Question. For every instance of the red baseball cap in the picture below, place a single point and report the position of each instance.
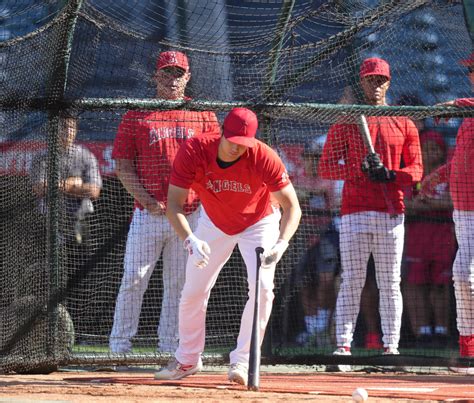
(172, 59)
(240, 127)
(469, 61)
(374, 66)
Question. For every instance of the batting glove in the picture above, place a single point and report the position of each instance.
(273, 256)
(198, 250)
(371, 161)
(382, 175)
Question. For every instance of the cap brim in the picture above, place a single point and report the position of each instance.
(375, 74)
(243, 141)
(173, 65)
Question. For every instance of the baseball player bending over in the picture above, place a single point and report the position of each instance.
(236, 177)
(372, 206)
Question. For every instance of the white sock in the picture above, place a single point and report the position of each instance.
(322, 319)
(425, 330)
(310, 322)
(441, 330)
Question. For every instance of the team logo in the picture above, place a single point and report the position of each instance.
(172, 58)
(223, 185)
(157, 134)
(284, 177)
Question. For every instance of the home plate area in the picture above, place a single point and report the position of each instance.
(419, 387)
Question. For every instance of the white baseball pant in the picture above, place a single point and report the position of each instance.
(463, 271)
(150, 236)
(199, 282)
(362, 234)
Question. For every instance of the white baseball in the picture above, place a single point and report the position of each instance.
(360, 395)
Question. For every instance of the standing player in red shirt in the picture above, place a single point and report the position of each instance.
(430, 246)
(372, 206)
(236, 178)
(144, 150)
(461, 185)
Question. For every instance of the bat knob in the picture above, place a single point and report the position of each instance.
(259, 250)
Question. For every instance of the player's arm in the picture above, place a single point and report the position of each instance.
(290, 220)
(460, 102)
(199, 251)
(334, 153)
(413, 170)
(175, 212)
(89, 184)
(73, 186)
(291, 215)
(126, 172)
(434, 189)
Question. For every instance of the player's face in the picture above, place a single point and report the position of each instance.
(67, 131)
(375, 89)
(432, 154)
(171, 82)
(229, 151)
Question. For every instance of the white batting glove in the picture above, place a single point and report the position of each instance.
(198, 250)
(273, 256)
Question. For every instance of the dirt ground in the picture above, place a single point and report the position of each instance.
(58, 387)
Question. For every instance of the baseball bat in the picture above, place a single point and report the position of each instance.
(364, 131)
(253, 381)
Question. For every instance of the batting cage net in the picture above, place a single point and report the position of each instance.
(90, 276)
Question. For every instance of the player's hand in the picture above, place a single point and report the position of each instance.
(198, 250)
(70, 184)
(371, 161)
(273, 256)
(382, 174)
(157, 208)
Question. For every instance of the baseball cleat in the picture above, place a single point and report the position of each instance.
(340, 367)
(391, 351)
(238, 373)
(175, 370)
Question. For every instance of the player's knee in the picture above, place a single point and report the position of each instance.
(191, 296)
(268, 294)
(463, 276)
(463, 269)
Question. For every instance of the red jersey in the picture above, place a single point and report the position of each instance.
(235, 197)
(462, 164)
(152, 138)
(394, 138)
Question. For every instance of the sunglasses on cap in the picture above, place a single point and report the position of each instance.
(174, 71)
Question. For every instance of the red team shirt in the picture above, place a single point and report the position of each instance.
(394, 138)
(462, 164)
(236, 197)
(152, 138)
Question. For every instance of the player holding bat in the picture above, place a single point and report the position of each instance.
(236, 177)
(372, 205)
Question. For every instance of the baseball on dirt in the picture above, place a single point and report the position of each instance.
(360, 395)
